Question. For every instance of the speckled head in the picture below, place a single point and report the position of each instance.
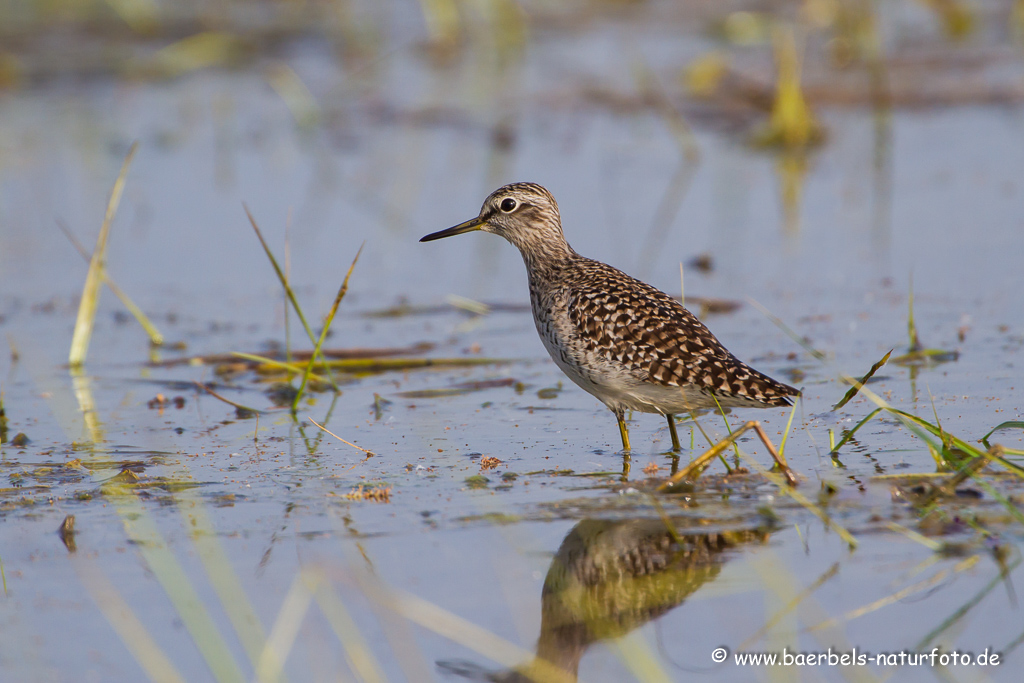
(523, 213)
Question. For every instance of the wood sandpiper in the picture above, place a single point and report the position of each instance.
(626, 342)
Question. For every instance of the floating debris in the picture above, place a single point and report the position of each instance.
(457, 389)
(376, 494)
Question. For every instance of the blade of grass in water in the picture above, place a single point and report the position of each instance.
(357, 650)
(323, 332)
(728, 428)
(777, 321)
(791, 605)
(965, 608)
(1012, 424)
(155, 337)
(271, 364)
(464, 632)
(285, 630)
(916, 353)
(863, 380)
(382, 364)
(924, 430)
(287, 288)
(154, 662)
(800, 498)
(789, 425)
(143, 532)
(915, 341)
(222, 577)
(97, 264)
(899, 595)
(849, 434)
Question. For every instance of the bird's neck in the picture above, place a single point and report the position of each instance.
(543, 258)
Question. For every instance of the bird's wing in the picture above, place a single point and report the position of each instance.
(655, 338)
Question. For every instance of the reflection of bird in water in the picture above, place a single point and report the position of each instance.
(610, 577)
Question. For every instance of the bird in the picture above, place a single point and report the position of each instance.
(629, 344)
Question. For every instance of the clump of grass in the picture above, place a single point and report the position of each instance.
(291, 294)
(323, 332)
(792, 124)
(916, 353)
(699, 464)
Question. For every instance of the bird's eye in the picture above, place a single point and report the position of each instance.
(508, 205)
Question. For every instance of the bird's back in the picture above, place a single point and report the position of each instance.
(641, 344)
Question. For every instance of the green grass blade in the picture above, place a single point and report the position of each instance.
(294, 368)
(965, 608)
(862, 381)
(287, 287)
(155, 337)
(323, 332)
(915, 341)
(97, 264)
(1011, 424)
(849, 434)
(728, 427)
(789, 425)
(800, 498)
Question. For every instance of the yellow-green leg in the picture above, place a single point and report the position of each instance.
(672, 430)
(623, 432)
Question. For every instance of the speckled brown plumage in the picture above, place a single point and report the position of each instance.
(657, 339)
(624, 341)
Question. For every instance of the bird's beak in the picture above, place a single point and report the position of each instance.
(468, 226)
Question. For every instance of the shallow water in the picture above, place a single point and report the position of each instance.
(260, 504)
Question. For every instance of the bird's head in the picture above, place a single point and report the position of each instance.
(523, 213)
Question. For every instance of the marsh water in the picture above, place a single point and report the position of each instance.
(217, 543)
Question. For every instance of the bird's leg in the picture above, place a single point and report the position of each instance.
(672, 430)
(623, 432)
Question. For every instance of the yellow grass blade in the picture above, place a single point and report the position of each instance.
(158, 667)
(155, 336)
(91, 292)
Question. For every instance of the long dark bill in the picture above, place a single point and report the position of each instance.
(468, 226)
